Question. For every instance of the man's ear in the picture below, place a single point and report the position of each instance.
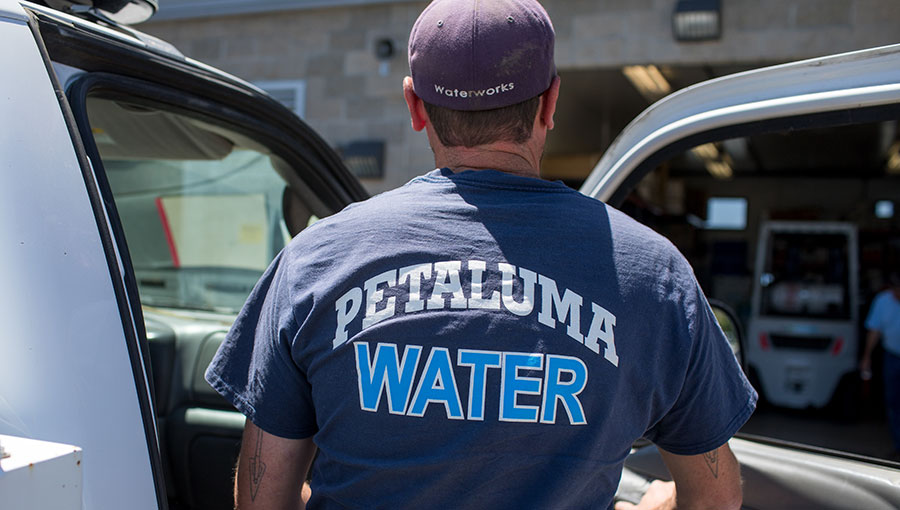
(417, 114)
(548, 103)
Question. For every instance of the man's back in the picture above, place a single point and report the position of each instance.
(480, 337)
(489, 340)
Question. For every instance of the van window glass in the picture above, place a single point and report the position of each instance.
(200, 204)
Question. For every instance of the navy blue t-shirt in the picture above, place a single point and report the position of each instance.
(480, 340)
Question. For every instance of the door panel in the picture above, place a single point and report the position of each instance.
(68, 339)
(803, 346)
(201, 203)
(776, 477)
(714, 168)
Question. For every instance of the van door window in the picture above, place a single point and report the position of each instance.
(807, 242)
(200, 204)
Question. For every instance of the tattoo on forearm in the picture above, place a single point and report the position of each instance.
(712, 462)
(257, 467)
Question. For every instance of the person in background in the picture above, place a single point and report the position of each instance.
(883, 325)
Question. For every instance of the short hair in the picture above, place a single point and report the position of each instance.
(456, 128)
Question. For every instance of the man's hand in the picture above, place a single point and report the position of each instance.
(660, 496)
(865, 368)
(271, 471)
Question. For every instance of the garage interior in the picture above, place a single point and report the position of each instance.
(595, 105)
(712, 200)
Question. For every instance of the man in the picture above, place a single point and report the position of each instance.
(883, 322)
(480, 338)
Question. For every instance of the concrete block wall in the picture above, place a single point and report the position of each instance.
(349, 97)
(333, 51)
(612, 33)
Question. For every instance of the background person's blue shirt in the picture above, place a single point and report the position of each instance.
(480, 340)
(884, 317)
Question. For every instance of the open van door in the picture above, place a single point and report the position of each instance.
(144, 194)
(71, 363)
(834, 90)
(813, 142)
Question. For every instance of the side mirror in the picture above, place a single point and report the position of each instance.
(731, 326)
(125, 12)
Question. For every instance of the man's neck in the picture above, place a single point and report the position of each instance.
(504, 157)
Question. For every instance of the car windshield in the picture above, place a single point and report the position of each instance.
(201, 206)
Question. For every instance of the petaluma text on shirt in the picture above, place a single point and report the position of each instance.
(449, 291)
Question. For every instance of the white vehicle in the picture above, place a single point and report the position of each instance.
(716, 140)
(143, 195)
(803, 327)
(111, 308)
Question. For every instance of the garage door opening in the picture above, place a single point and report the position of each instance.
(596, 104)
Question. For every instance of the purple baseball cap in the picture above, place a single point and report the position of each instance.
(481, 54)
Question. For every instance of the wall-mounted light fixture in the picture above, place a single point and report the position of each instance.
(697, 20)
(364, 158)
(384, 50)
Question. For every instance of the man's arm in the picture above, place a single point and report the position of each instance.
(710, 481)
(271, 470)
(865, 363)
